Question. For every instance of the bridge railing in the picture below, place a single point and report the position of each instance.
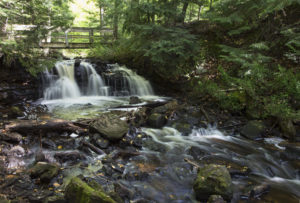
(74, 37)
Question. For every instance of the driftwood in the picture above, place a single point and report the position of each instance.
(192, 163)
(37, 127)
(92, 147)
(149, 105)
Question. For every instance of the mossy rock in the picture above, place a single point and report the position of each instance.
(157, 120)
(168, 107)
(287, 128)
(253, 129)
(213, 180)
(44, 171)
(78, 191)
(110, 126)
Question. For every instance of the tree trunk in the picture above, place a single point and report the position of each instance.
(199, 12)
(116, 19)
(101, 16)
(183, 12)
(210, 5)
(35, 127)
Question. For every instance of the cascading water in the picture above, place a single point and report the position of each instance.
(68, 81)
(135, 84)
(63, 87)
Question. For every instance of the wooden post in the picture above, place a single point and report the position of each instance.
(91, 33)
(66, 38)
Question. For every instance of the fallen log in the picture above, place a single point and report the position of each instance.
(149, 105)
(93, 147)
(37, 127)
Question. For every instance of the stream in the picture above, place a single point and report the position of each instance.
(265, 170)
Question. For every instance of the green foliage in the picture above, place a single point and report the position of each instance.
(265, 92)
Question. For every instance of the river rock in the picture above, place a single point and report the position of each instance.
(110, 126)
(72, 156)
(134, 100)
(213, 180)
(100, 141)
(287, 128)
(253, 129)
(55, 199)
(168, 107)
(216, 199)
(44, 171)
(11, 137)
(157, 120)
(78, 191)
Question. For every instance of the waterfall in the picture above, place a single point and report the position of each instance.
(137, 84)
(68, 81)
(63, 87)
(95, 85)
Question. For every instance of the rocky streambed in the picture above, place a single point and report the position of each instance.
(112, 147)
(154, 152)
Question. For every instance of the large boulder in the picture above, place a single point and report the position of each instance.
(44, 171)
(111, 126)
(287, 128)
(78, 191)
(157, 120)
(253, 129)
(168, 107)
(213, 180)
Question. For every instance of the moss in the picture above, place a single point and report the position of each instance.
(213, 180)
(78, 191)
(44, 171)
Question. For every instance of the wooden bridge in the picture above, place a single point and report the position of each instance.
(72, 38)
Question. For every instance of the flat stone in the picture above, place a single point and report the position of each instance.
(11, 137)
(45, 171)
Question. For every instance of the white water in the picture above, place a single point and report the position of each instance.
(137, 84)
(64, 85)
(214, 144)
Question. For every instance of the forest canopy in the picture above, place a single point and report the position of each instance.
(248, 46)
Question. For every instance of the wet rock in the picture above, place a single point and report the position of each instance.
(256, 191)
(69, 156)
(55, 199)
(44, 171)
(184, 128)
(150, 144)
(40, 156)
(110, 126)
(253, 129)
(49, 144)
(77, 63)
(140, 117)
(157, 120)
(169, 107)
(134, 100)
(235, 168)
(16, 111)
(11, 137)
(78, 191)
(288, 129)
(124, 190)
(213, 180)
(100, 141)
(196, 152)
(216, 199)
